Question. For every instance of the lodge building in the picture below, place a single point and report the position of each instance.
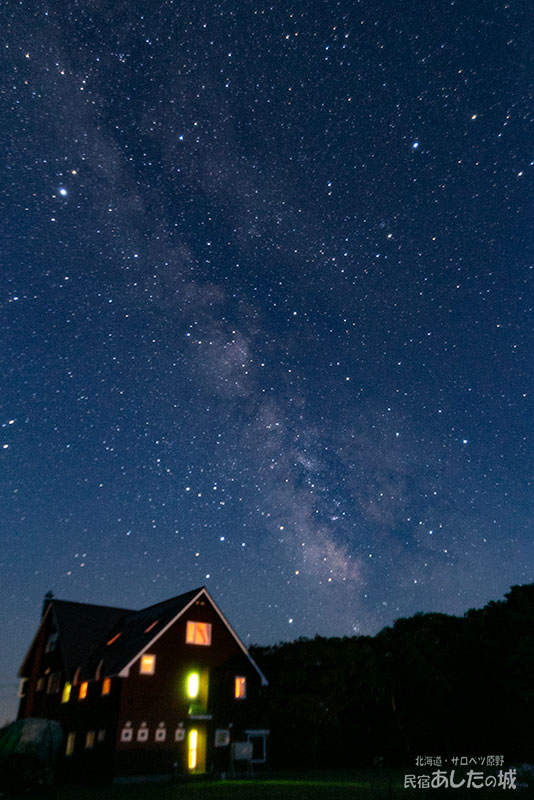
(167, 690)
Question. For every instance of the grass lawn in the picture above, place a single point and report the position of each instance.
(360, 785)
(331, 787)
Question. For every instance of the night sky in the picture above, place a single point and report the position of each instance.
(266, 310)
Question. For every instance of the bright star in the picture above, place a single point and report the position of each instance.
(63, 192)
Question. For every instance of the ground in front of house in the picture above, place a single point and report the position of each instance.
(331, 785)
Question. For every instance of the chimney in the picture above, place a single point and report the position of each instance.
(49, 596)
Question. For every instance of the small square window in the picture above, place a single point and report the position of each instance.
(240, 687)
(179, 734)
(126, 734)
(142, 733)
(222, 737)
(147, 665)
(198, 633)
(106, 686)
(161, 734)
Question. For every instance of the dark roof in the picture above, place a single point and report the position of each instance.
(132, 635)
(81, 627)
(93, 637)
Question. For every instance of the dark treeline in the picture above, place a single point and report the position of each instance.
(432, 684)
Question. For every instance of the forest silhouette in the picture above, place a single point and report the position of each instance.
(431, 684)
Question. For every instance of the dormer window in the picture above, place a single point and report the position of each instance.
(198, 633)
(147, 665)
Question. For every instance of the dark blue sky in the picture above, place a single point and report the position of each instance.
(266, 310)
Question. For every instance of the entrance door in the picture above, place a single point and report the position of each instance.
(196, 750)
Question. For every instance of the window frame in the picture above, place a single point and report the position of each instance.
(147, 664)
(192, 635)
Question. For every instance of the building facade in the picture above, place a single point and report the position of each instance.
(167, 690)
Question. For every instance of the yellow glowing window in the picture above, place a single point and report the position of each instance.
(65, 697)
(198, 633)
(240, 687)
(147, 665)
(193, 685)
(192, 749)
(106, 686)
(82, 694)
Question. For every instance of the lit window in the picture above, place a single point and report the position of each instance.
(192, 749)
(65, 697)
(198, 633)
(147, 665)
(82, 694)
(106, 686)
(193, 685)
(71, 739)
(40, 684)
(89, 740)
(240, 687)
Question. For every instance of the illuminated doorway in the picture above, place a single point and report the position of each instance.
(196, 751)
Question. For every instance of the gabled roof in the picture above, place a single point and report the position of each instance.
(111, 639)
